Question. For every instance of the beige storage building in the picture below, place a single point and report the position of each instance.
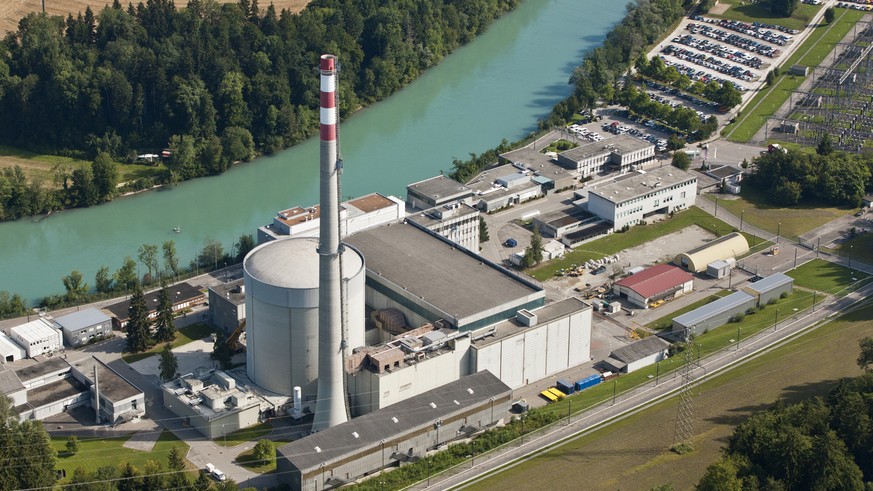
(731, 245)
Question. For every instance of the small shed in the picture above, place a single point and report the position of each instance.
(721, 268)
(9, 350)
(642, 353)
(800, 70)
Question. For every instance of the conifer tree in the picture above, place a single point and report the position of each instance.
(165, 326)
(138, 335)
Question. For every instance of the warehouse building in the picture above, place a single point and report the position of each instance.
(182, 296)
(639, 354)
(428, 278)
(732, 245)
(437, 191)
(85, 326)
(359, 214)
(37, 337)
(622, 153)
(535, 344)
(227, 305)
(10, 350)
(632, 198)
(770, 288)
(403, 432)
(458, 222)
(652, 284)
(713, 314)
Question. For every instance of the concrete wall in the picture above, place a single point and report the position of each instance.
(57, 407)
(649, 360)
(225, 314)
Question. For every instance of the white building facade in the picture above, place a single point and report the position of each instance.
(631, 200)
(37, 337)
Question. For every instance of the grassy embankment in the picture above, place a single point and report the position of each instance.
(38, 167)
(98, 452)
(746, 11)
(811, 53)
(858, 248)
(827, 277)
(633, 453)
(795, 220)
(183, 336)
(637, 235)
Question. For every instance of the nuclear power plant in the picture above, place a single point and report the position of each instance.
(377, 335)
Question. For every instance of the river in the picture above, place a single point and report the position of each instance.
(496, 87)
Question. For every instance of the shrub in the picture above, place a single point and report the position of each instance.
(783, 295)
(737, 318)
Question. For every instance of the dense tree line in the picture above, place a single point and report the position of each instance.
(684, 119)
(725, 94)
(819, 444)
(791, 177)
(785, 8)
(214, 82)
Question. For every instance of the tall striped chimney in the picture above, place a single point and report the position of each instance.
(330, 406)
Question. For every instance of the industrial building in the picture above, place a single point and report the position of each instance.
(403, 432)
(10, 350)
(732, 245)
(639, 354)
(652, 284)
(632, 198)
(84, 326)
(719, 312)
(727, 178)
(424, 276)
(37, 337)
(504, 186)
(213, 403)
(55, 386)
(547, 171)
(358, 214)
(281, 280)
(182, 296)
(559, 223)
(435, 192)
(458, 222)
(227, 305)
(622, 153)
(535, 344)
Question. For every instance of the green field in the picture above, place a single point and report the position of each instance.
(795, 220)
(666, 322)
(183, 336)
(637, 235)
(247, 460)
(746, 11)
(858, 248)
(827, 277)
(244, 435)
(38, 167)
(811, 53)
(94, 453)
(633, 453)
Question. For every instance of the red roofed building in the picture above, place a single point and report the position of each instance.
(652, 284)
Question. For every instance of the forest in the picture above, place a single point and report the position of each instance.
(214, 83)
(815, 444)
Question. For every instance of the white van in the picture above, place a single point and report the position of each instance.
(218, 475)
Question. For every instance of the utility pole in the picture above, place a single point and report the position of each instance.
(685, 411)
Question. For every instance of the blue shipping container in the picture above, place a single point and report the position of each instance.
(589, 381)
(565, 386)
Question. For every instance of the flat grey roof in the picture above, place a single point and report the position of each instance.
(9, 383)
(620, 144)
(640, 349)
(46, 367)
(770, 283)
(82, 319)
(112, 385)
(231, 291)
(455, 281)
(566, 216)
(723, 171)
(413, 413)
(439, 187)
(55, 391)
(486, 179)
(704, 312)
(641, 183)
(545, 314)
(527, 156)
(429, 217)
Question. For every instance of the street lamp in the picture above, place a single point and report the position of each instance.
(323, 483)
(738, 338)
(437, 424)
(492, 410)
(382, 445)
(850, 256)
(224, 434)
(742, 212)
(778, 231)
(657, 373)
(776, 322)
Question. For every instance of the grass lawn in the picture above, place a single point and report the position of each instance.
(94, 453)
(637, 235)
(183, 336)
(560, 146)
(38, 167)
(244, 435)
(745, 11)
(828, 277)
(247, 460)
(795, 220)
(858, 248)
(633, 453)
(811, 53)
(666, 322)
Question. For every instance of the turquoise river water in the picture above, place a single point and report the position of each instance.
(496, 87)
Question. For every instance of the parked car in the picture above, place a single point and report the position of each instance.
(510, 242)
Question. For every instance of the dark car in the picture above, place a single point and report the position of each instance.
(510, 242)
